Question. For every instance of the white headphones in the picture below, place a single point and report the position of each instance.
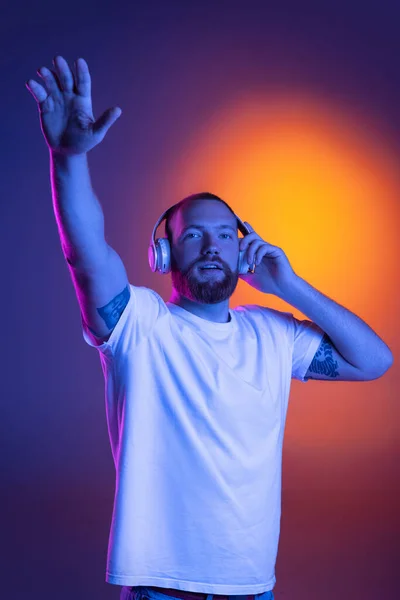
(159, 251)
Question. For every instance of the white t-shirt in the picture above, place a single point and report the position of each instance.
(196, 413)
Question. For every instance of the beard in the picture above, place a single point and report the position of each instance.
(199, 287)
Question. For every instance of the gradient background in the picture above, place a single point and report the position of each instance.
(291, 114)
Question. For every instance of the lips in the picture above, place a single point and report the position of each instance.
(215, 265)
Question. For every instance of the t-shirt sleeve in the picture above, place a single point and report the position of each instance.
(299, 340)
(306, 337)
(135, 323)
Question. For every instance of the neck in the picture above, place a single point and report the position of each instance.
(219, 313)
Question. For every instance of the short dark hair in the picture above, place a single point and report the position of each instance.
(200, 196)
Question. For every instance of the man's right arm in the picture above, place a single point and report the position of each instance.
(98, 273)
(70, 130)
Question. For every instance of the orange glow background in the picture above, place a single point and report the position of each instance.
(323, 185)
(290, 112)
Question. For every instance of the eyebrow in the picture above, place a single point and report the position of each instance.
(194, 226)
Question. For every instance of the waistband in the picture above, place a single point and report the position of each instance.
(196, 595)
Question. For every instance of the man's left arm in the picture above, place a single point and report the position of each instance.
(358, 344)
(352, 338)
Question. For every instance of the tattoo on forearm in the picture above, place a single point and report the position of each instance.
(323, 361)
(112, 311)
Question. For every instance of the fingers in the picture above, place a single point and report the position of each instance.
(61, 80)
(82, 83)
(37, 91)
(64, 74)
(250, 245)
(247, 239)
(83, 80)
(104, 122)
(252, 251)
(51, 82)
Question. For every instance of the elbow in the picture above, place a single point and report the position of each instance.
(386, 366)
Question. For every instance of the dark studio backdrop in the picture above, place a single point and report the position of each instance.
(290, 112)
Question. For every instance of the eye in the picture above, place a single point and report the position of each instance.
(187, 235)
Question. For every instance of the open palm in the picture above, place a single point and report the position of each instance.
(65, 108)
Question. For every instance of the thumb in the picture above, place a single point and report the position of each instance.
(104, 122)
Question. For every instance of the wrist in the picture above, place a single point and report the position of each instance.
(67, 161)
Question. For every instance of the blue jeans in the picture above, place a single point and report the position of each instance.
(144, 593)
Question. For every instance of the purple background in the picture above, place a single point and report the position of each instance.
(169, 66)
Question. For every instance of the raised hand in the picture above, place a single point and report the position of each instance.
(65, 108)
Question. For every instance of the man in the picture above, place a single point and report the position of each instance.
(196, 392)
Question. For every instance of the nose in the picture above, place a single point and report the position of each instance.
(211, 249)
(211, 254)
(211, 245)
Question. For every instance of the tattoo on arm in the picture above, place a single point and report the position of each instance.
(112, 311)
(323, 361)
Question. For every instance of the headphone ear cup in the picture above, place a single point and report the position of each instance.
(151, 257)
(243, 265)
(163, 256)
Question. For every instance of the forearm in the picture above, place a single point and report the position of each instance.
(352, 337)
(77, 211)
